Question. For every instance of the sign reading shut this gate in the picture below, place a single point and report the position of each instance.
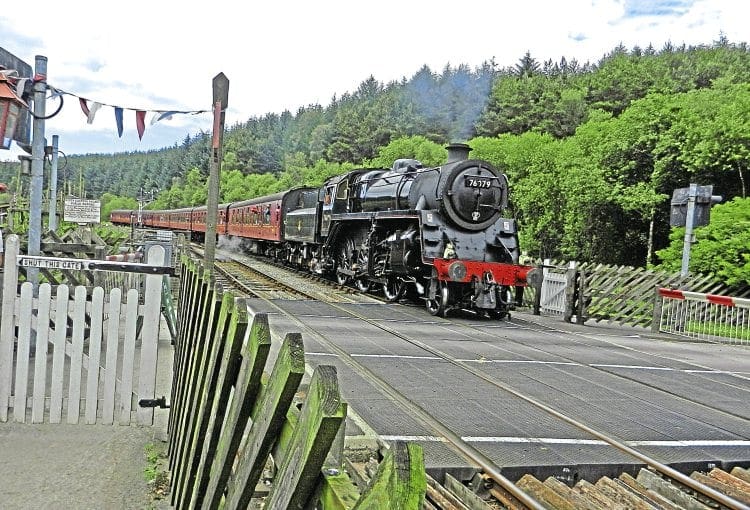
(78, 352)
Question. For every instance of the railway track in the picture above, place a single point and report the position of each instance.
(512, 495)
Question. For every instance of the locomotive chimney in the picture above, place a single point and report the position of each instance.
(458, 152)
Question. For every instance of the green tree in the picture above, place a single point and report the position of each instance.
(722, 248)
(110, 202)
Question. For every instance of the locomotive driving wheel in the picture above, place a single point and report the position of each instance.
(344, 261)
(393, 288)
(362, 284)
(438, 305)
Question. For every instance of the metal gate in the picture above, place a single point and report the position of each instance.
(78, 352)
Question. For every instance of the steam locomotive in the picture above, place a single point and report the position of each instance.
(437, 234)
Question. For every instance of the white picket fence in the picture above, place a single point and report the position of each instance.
(73, 351)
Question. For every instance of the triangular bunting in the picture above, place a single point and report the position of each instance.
(84, 106)
(118, 120)
(92, 112)
(140, 122)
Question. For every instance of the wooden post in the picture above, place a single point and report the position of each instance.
(221, 98)
(7, 322)
(570, 292)
(400, 482)
(656, 321)
(538, 294)
(581, 294)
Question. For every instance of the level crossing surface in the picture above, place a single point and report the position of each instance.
(684, 403)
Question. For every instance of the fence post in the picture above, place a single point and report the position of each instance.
(581, 297)
(656, 322)
(7, 324)
(570, 291)
(400, 480)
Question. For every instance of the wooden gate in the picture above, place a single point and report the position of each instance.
(553, 293)
(76, 351)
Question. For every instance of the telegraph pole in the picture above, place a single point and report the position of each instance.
(37, 164)
(221, 98)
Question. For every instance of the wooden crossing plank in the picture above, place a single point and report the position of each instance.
(22, 353)
(268, 415)
(58, 354)
(95, 350)
(40, 362)
(128, 356)
(76, 356)
(110, 364)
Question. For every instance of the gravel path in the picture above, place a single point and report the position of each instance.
(82, 467)
(75, 467)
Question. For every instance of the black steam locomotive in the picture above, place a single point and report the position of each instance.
(437, 234)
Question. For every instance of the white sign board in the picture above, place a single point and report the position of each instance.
(79, 210)
(51, 263)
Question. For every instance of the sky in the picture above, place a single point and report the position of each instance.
(162, 55)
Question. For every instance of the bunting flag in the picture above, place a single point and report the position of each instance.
(159, 116)
(84, 106)
(90, 108)
(118, 120)
(92, 112)
(140, 118)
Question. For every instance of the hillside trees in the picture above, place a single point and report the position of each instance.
(593, 151)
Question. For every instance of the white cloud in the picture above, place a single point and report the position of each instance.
(287, 54)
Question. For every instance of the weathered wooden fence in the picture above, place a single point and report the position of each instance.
(219, 446)
(601, 292)
(76, 349)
